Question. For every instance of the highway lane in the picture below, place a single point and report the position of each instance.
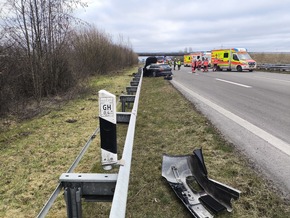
(252, 110)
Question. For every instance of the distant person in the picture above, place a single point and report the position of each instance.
(179, 64)
(193, 66)
(205, 65)
(215, 64)
(199, 62)
(174, 63)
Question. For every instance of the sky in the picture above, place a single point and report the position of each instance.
(179, 25)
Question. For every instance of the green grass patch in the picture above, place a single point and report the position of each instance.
(35, 152)
(168, 123)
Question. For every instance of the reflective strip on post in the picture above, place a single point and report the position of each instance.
(108, 129)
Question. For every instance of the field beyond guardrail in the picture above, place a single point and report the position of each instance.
(272, 61)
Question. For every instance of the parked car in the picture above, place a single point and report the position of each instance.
(155, 70)
(149, 61)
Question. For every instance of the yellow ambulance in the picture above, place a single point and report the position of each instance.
(232, 59)
(187, 60)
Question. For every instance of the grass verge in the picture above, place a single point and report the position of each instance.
(34, 153)
(168, 123)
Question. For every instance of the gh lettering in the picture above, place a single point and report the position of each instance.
(107, 107)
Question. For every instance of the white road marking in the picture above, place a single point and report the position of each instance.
(238, 84)
(273, 140)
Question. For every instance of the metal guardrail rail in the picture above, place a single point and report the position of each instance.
(119, 202)
(118, 209)
(275, 67)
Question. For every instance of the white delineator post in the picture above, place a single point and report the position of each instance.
(108, 128)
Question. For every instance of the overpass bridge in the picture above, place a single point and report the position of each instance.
(161, 53)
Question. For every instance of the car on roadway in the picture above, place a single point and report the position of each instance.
(155, 70)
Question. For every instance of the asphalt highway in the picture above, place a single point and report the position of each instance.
(252, 111)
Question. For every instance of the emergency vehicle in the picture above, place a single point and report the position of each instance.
(202, 56)
(187, 60)
(232, 59)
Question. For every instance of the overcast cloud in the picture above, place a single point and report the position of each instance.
(171, 25)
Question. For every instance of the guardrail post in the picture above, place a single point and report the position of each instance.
(131, 90)
(90, 186)
(126, 99)
(72, 196)
(134, 83)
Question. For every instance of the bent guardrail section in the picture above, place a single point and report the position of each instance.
(102, 187)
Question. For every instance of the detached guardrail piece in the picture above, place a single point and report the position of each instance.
(187, 176)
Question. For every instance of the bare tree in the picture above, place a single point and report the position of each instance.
(95, 52)
(45, 54)
(40, 28)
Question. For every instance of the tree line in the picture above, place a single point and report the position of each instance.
(45, 51)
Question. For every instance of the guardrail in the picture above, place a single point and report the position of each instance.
(118, 208)
(102, 187)
(274, 67)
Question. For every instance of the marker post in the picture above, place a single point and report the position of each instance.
(108, 129)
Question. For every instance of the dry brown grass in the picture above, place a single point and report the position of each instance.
(271, 58)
